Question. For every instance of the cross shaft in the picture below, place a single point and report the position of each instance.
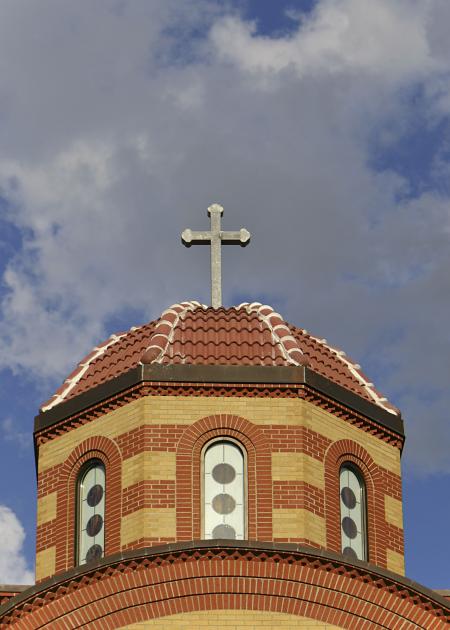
(215, 237)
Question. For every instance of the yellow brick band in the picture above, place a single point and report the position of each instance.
(297, 467)
(299, 523)
(148, 523)
(395, 562)
(46, 508)
(393, 511)
(233, 619)
(187, 410)
(45, 563)
(148, 465)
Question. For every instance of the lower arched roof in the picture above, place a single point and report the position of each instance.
(156, 582)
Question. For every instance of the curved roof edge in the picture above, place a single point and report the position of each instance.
(217, 548)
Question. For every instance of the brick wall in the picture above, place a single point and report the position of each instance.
(151, 449)
(233, 619)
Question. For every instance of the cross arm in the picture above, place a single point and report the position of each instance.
(190, 237)
(242, 237)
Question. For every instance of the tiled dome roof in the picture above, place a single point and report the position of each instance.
(191, 333)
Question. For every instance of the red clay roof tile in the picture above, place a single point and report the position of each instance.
(190, 333)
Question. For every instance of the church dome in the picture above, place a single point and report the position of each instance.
(190, 333)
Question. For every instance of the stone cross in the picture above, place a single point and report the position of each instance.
(216, 237)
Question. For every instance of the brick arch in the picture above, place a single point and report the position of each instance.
(149, 586)
(188, 471)
(349, 451)
(106, 450)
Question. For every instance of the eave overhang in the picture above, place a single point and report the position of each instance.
(300, 376)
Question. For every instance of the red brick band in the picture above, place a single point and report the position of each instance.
(293, 439)
(155, 437)
(159, 493)
(298, 494)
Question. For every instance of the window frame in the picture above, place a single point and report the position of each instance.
(243, 450)
(81, 474)
(349, 465)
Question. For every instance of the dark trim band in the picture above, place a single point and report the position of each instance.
(204, 374)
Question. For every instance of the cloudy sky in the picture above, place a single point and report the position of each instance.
(321, 126)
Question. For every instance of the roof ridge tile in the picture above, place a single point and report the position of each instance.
(355, 369)
(275, 323)
(82, 367)
(154, 352)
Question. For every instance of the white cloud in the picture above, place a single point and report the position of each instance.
(13, 565)
(123, 138)
(383, 38)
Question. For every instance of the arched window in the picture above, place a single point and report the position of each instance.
(90, 527)
(353, 513)
(224, 490)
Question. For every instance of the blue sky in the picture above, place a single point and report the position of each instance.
(322, 127)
